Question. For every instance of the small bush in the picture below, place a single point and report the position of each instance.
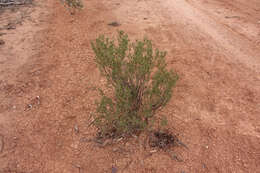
(140, 82)
(72, 5)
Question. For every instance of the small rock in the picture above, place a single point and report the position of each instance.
(75, 145)
(85, 140)
(115, 149)
(29, 106)
(120, 139)
(153, 151)
(77, 166)
(145, 18)
(115, 24)
(135, 136)
(1, 33)
(127, 144)
(76, 128)
(207, 147)
(114, 169)
(2, 42)
(10, 26)
(204, 166)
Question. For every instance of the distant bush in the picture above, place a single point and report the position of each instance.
(73, 5)
(140, 82)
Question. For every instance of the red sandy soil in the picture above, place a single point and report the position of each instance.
(48, 75)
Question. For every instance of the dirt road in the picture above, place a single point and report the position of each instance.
(47, 79)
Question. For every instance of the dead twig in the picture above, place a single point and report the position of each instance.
(127, 165)
(11, 3)
(115, 24)
(4, 3)
(1, 143)
(174, 156)
(180, 143)
(229, 17)
(77, 166)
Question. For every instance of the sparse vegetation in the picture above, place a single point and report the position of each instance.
(139, 81)
(73, 5)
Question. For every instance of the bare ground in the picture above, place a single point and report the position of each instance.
(48, 74)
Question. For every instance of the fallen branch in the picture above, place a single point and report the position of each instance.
(12, 3)
(8, 3)
(1, 143)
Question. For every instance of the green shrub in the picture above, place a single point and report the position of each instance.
(140, 82)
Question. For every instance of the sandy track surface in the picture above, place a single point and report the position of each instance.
(46, 92)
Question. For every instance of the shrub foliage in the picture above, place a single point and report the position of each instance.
(140, 82)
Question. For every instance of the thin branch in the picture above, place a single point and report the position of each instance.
(12, 3)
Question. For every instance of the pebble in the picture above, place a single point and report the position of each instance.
(114, 169)
(2, 42)
(10, 26)
(75, 145)
(30, 106)
(1, 33)
(120, 139)
(153, 151)
(76, 128)
(77, 166)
